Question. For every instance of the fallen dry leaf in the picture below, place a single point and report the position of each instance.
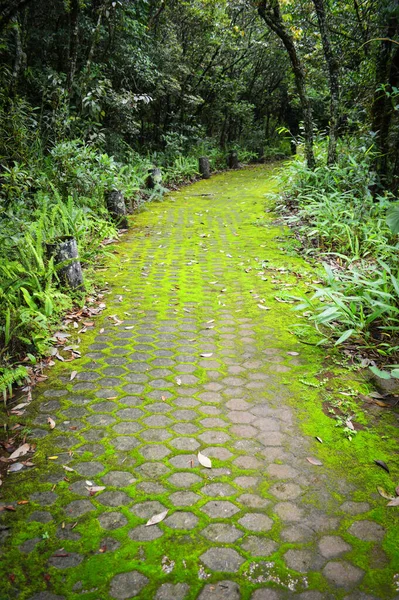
(95, 488)
(314, 461)
(157, 518)
(206, 354)
(293, 353)
(69, 469)
(319, 439)
(73, 375)
(51, 422)
(21, 451)
(204, 461)
(394, 502)
(383, 493)
(381, 464)
(178, 380)
(15, 467)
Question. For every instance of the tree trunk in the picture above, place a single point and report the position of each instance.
(333, 76)
(381, 112)
(270, 12)
(73, 40)
(204, 167)
(19, 56)
(117, 208)
(65, 254)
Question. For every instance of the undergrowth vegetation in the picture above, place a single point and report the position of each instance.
(48, 194)
(342, 222)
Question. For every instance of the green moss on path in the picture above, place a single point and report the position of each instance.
(199, 364)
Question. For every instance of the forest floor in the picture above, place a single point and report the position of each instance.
(195, 352)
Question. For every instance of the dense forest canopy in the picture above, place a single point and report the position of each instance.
(95, 92)
(151, 74)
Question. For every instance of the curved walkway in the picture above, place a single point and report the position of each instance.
(193, 354)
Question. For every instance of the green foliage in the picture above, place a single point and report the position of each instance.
(338, 220)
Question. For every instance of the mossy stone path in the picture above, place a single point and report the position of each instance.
(197, 364)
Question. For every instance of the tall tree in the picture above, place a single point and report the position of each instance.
(270, 12)
(333, 76)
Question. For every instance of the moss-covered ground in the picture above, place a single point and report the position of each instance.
(196, 352)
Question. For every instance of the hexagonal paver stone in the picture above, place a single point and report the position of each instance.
(145, 534)
(77, 508)
(222, 559)
(299, 560)
(331, 546)
(253, 501)
(247, 462)
(214, 437)
(258, 546)
(218, 489)
(89, 469)
(220, 509)
(221, 533)
(114, 499)
(286, 491)
(184, 480)
(218, 452)
(65, 560)
(118, 478)
(148, 509)
(112, 520)
(127, 585)
(287, 511)
(282, 471)
(155, 435)
(152, 470)
(181, 520)
(368, 531)
(168, 591)
(124, 442)
(355, 508)
(44, 498)
(343, 574)
(184, 498)
(256, 522)
(265, 594)
(154, 451)
(185, 443)
(223, 590)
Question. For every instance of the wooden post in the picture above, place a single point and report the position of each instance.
(232, 160)
(65, 254)
(117, 208)
(204, 167)
(154, 178)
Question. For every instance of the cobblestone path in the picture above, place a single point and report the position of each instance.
(195, 363)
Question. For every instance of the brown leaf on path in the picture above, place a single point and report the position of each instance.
(394, 502)
(319, 439)
(381, 464)
(263, 307)
(156, 518)
(206, 354)
(383, 493)
(69, 469)
(21, 451)
(314, 461)
(293, 353)
(51, 422)
(95, 488)
(21, 502)
(73, 375)
(8, 507)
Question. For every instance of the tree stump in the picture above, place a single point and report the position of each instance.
(117, 208)
(154, 178)
(65, 254)
(204, 167)
(232, 160)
